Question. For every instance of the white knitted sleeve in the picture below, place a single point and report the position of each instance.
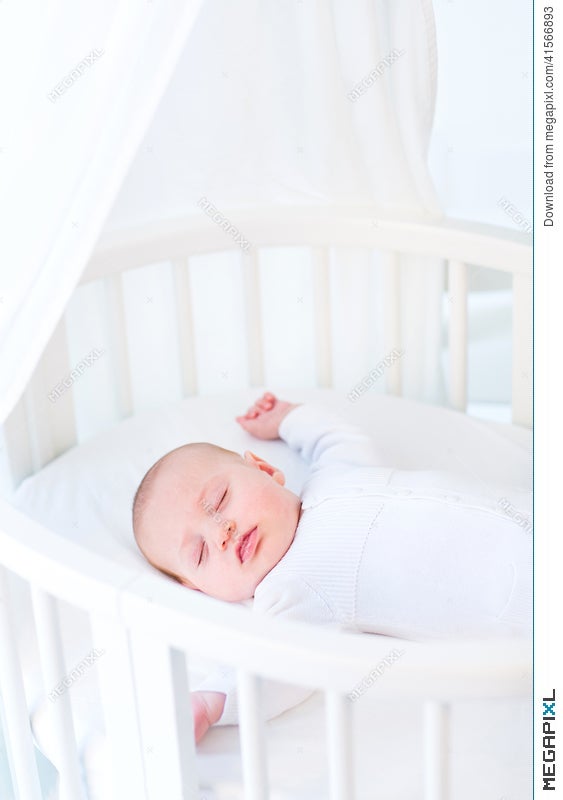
(323, 439)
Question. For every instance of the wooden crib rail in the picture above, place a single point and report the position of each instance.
(38, 429)
(457, 240)
(300, 653)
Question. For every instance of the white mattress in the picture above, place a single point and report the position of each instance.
(86, 496)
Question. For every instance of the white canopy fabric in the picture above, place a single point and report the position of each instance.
(312, 101)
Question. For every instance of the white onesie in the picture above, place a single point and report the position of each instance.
(414, 554)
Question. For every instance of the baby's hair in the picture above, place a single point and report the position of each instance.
(144, 490)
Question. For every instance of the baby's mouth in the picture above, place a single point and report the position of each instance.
(247, 545)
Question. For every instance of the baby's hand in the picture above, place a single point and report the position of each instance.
(207, 708)
(263, 419)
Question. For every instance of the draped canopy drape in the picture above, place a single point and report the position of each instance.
(124, 112)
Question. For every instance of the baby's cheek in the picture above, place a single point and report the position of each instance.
(248, 511)
(270, 495)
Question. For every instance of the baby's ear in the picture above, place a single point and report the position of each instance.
(274, 472)
(252, 458)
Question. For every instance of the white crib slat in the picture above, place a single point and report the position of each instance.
(39, 440)
(42, 425)
(392, 322)
(184, 316)
(18, 448)
(252, 737)
(117, 692)
(157, 718)
(252, 303)
(185, 724)
(458, 333)
(436, 718)
(522, 332)
(19, 743)
(118, 345)
(323, 339)
(50, 411)
(54, 671)
(55, 362)
(340, 749)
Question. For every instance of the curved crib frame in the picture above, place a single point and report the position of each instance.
(135, 614)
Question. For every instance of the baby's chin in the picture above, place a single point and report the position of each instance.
(239, 592)
(235, 595)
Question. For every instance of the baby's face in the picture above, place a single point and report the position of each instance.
(219, 524)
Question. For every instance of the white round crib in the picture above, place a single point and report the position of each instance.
(148, 628)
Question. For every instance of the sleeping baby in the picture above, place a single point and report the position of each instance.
(418, 554)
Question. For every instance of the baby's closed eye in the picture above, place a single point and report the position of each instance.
(222, 499)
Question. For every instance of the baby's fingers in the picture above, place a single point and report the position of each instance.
(266, 402)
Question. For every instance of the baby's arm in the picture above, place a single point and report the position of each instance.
(210, 707)
(321, 437)
(216, 699)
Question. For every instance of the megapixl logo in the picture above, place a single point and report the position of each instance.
(548, 726)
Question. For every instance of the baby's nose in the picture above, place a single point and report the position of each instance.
(226, 530)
